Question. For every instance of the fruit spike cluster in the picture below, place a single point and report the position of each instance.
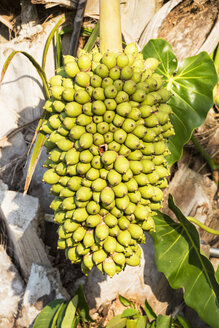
(107, 133)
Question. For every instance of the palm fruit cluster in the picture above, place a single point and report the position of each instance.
(107, 130)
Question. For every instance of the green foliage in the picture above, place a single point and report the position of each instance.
(47, 316)
(191, 83)
(178, 256)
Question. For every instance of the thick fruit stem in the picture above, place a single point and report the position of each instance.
(110, 26)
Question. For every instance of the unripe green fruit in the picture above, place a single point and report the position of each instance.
(71, 68)
(159, 147)
(135, 155)
(96, 162)
(54, 122)
(62, 233)
(70, 225)
(121, 165)
(122, 60)
(114, 73)
(121, 97)
(120, 190)
(81, 96)
(72, 156)
(64, 181)
(68, 94)
(114, 231)
(122, 203)
(135, 114)
(107, 196)
(153, 177)
(63, 130)
(120, 136)
(141, 179)
(93, 220)
(102, 70)
(84, 62)
(110, 220)
(109, 244)
(87, 260)
(136, 167)
(72, 170)
(151, 63)
(99, 256)
(77, 131)
(110, 206)
(64, 144)
(110, 104)
(83, 120)
(55, 80)
(102, 127)
(133, 260)
(101, 231)
(92, 174)
(126, 73)
(119, 258)
(109, 267)
(88, 239)
(149, 100)
(132, 141)
(91, 128)
(61, 243)
(68, 203)
(59, 217)
(124, 151)
(141, 212)
(66, 192)
(134, 197)
(98, 107)
(98, 185)
(110, 91)
(82, 168)
(130, 209)
(73, 109)
(108, 137)
(107, 81)
(98, 94)
(87, 109)
(140, 131)
(148, 148)
(162, 183)
(147, 191)
(127, 175)
(86, 140)
(83, 194)
(124, 237)
(50, 177)
(80, 214)
(165, 108)
(135, 231)
(123, 223)
(148, 224)
(95, 81)
(124, 109)
(150, 136)
(118, 120)
(128, 125)
(55, 155)
(109, 59)
(132, 185)
(56, 204)
(114, 178)
(157, 195)
(143, 86)
(114, 146)
(93, 207)
(109, 157)
(129, 87)
(118, 84)
(98, 139)
(57, 91)
(86, 156)
(79, 234)
(86, 183)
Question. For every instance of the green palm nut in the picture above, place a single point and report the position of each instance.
(120, 136)
(63, 130)
(92, 174)
(165, 108)
(93, 207)
(110, 104)
(93, 220)
(164, 94)
(76, 132)
(110, 220)
(102, 70)
(81, 249)
(123, 109)
(114, 231)
(94, 150)
(69, 214)
(107, 196)
(54, 137)
(129, 87)
(143, 86)
(98, 94)
(109, 59)
(150, 136)
(109, 157)
(72, 156)
(119, 258)
(121, 164)
(51, 177)
(72, 255)
(139, 95)
(68, 203)
(124, 151)
(64, 144)
(123, 223)
(72, 170)
(141, 212)
(158, 195)
(109, 244)
(49, 105)
(96, 162)
(73, 109)
(80, 214)
(128, 125)
(55, 80)
(153, 177)
(70, 225)
(83, 120)
(119, 85)
(132, 141)
(135, 114)
(107, 81)
(109, 267)
(130, 209)
(135, 231)
(87, 109)
(141, 179)
(98, 107)
(66, 192)
(95, 81)
(133, 260)
(108, 137)
(64, 180)
(124, 238)
(127, 175)
(57, 91)
(54, 121)
(114, 146)
(99, 256)
(86, 140)
(82, 168)
(79, 234)
(88, 261)
(159, 147)
(86, 156)
(101, 231)
(68, 83)
(97, 119)
(102, 127)
(110, 91)
(135, 155)
(136, 167)
(83, 194)
(71, 68)
(118, 120)
(56, 188)
(88, 239)
(121, 97)
(98, 185)
(84, 62)
(140, 131)
(55, 155)
(56, 204)
(148, 148)
(126, 73)
(62, 233)
(86, 183)
(134, 197)
(98, 139)
(61, 243)
(155, 206)
(68, 94)
(122, 203)
(81, 96)
(148, 225)
(91, 128)
(163, 183)
(61, 168)
(122, 60)
(131, 185)
(114, 73)
(59, 217)
(114, 178)
(147, 191)
(120, 190)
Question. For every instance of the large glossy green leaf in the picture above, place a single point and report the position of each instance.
(46, 316)
(191, 83)
(68, 319)
(163, 321)
(178, 256)
(117, 322)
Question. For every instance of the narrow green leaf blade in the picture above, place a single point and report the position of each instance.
(149, 311)
(58, 50)
(124, 300)
(179, 318)
(93, 37)
(142, 322)
(45, 318)
(83, 308)
(61, 315)
(163, 321)
(68, 318)
(192, 86)
(117, 322)
(49, 39)
(129, 312)
(57, 314)
(178, 256)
